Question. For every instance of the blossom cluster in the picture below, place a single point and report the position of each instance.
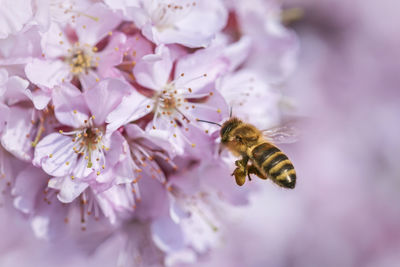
(100, 104)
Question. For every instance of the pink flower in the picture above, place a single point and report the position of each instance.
(190, 23)
(87, 149)
(176, 103)
(74, 52)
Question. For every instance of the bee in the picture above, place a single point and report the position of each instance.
(259, 155)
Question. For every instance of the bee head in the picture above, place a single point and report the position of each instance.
(227, 128)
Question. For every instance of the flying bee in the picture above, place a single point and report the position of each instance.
(256, 147)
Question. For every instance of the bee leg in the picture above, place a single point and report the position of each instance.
(253, 170)
(241, 170)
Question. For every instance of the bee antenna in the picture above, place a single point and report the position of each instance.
(230, 112)
(211, 122)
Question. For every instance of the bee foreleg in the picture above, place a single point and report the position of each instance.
(253, 170)
(241, 170)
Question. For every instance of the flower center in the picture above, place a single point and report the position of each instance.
(88, 143)
(170, 99)
(81, 59)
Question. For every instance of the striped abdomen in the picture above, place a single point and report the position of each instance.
(271, 161)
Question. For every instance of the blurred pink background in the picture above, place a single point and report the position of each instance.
(345, 209)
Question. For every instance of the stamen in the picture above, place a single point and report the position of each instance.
(39, 133)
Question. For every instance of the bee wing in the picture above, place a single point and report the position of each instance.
(282, 134)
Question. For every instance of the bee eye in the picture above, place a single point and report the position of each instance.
(238, 138)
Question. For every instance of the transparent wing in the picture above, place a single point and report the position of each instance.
(282, 134)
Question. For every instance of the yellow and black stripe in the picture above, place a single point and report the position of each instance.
(271, 161)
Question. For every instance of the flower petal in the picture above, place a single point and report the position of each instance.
(13, 15)
(16, 135)
(69, 189)
(55, 154)
(105, 97)
(167, 235)
(40, 98)
(4, 111)
(70, 107)
(47, 73)
(28, 186)
(54, 42)
(96, 25)
(154, 70)
(132, 107)
(200, 68)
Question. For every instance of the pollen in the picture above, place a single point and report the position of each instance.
(82, 58)
(87, 144)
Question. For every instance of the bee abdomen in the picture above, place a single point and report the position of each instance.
(275, 164)
(281, 171)
(263, 152)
